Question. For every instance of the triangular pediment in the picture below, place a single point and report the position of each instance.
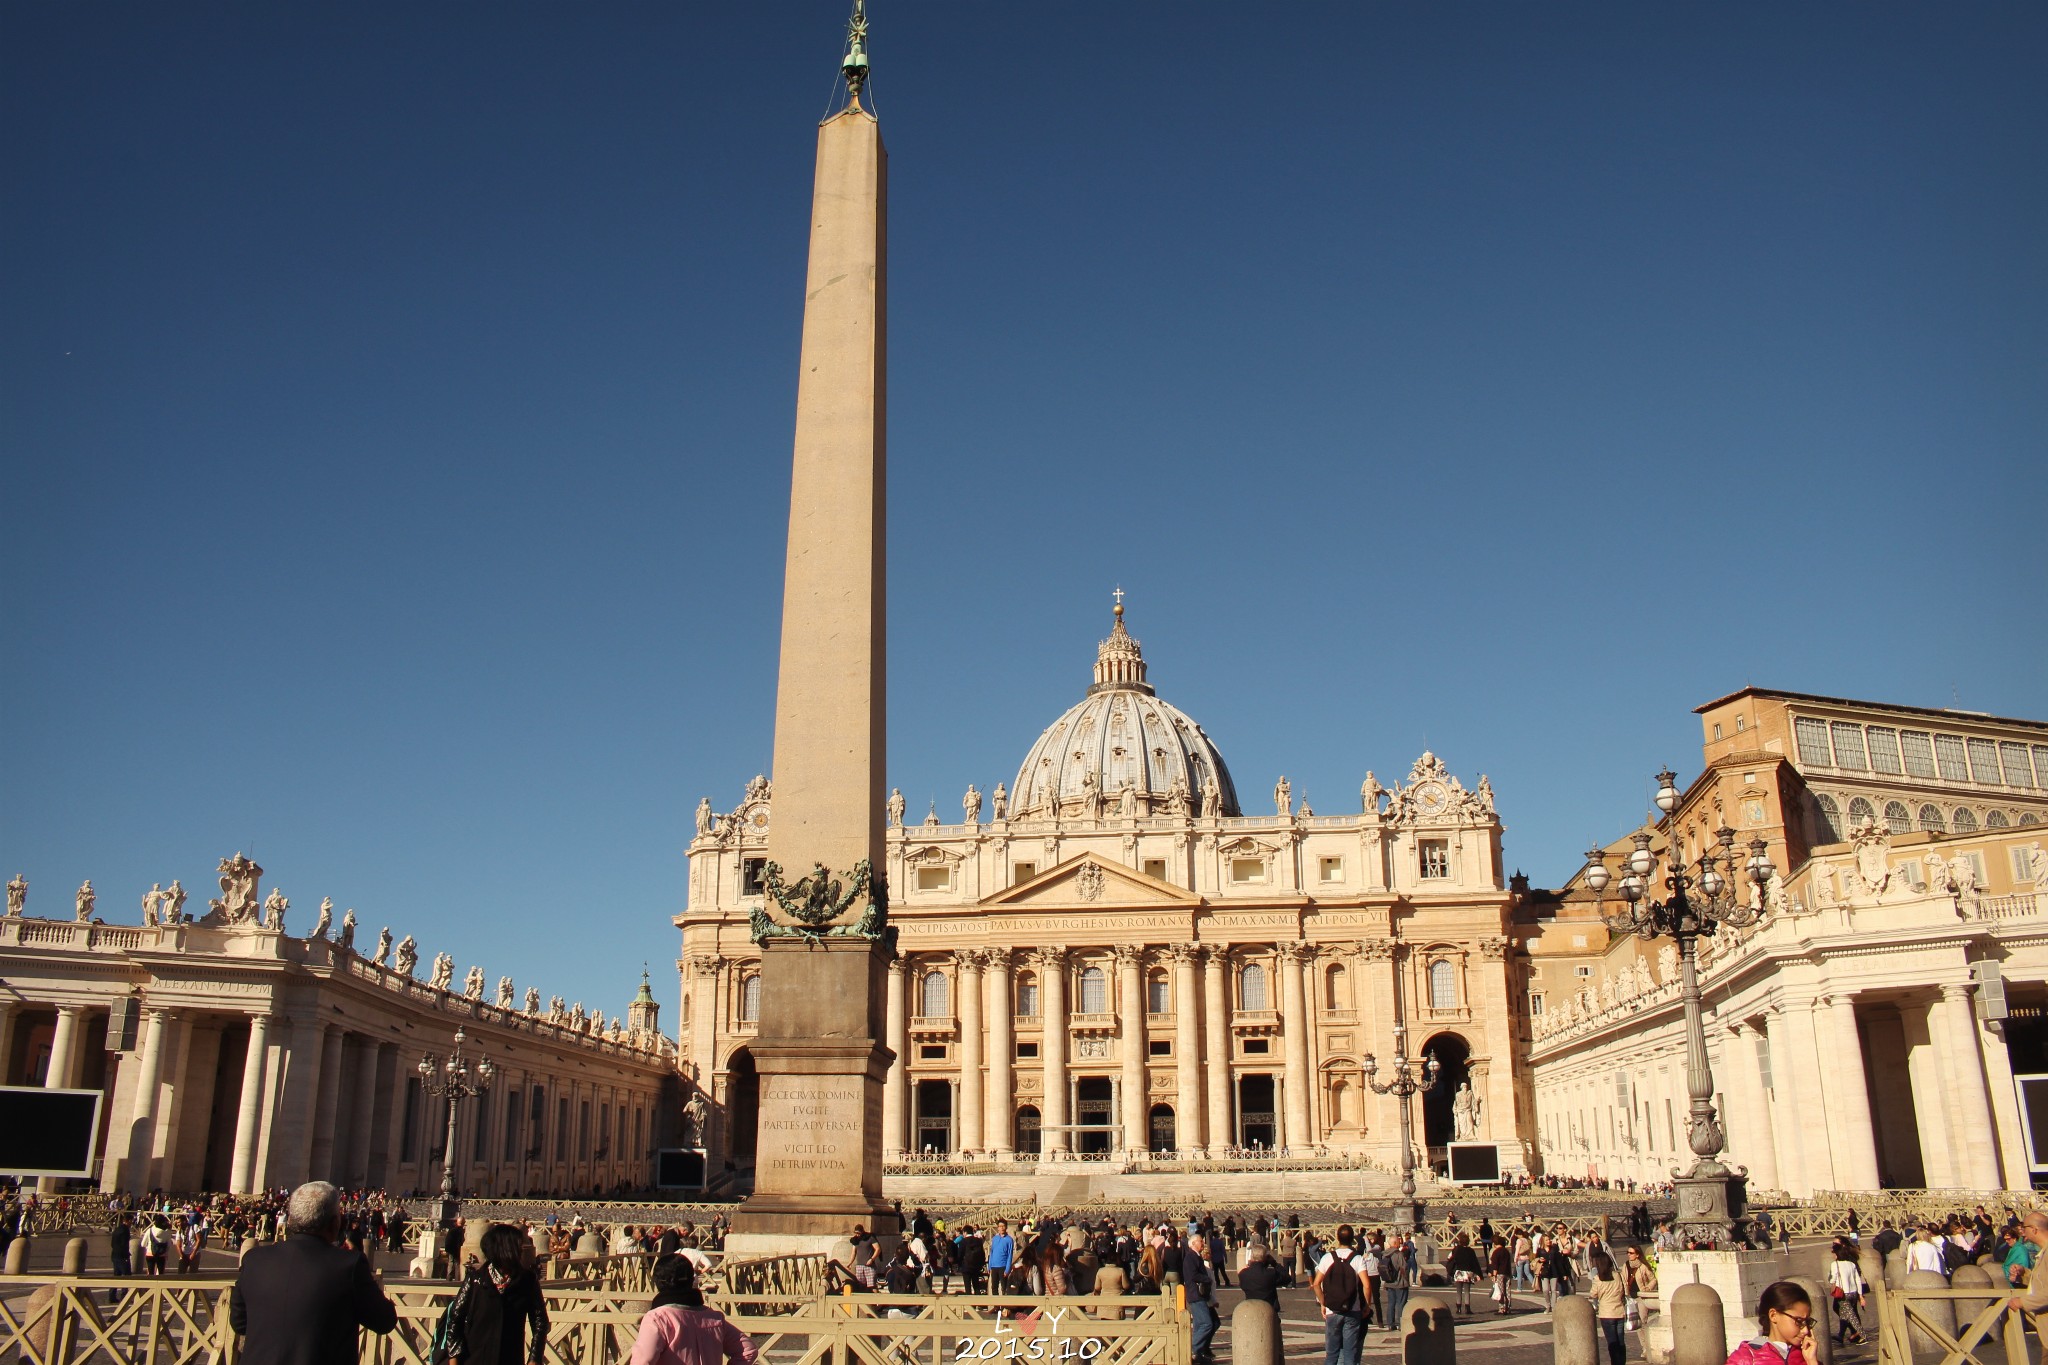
(1090, 881)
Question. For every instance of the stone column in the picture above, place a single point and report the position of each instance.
(1294, 1042)
(1970, 1102)
(1751, 1143)
(64, 1047)
(1130, 989)
(1187, 1049)
(896, 1089)
(1000, 1111)
(362, 1110)
(1495, 1086)
(322, 1162)
(1379, 1005)
(9, 1011)
(249, 1122)
(1850, 1131)
(1785, 1118)
(1795, 1056)
(1052, 1051)
(134, 1171)
(1216, 1019)
(971, 1038)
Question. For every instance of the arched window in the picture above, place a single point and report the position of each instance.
(2029, 818)
(1094, 991)
(1861, 813)
(750, 998)
(1251, 987)
(1896, 819)
(1930, 819)
(1995, 820)
(1158, 995)
(1827, 820)
(1443, 986)
(1027, 996)
(686, 1009)
(1964, 820)
(1336, 988)
(932, 1001)
(1340, 1102)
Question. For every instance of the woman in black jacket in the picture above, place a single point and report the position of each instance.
(503, 1300)
(1463, 1264)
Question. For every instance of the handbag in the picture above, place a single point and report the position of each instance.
(451, 1333)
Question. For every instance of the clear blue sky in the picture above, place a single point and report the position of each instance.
(397, 407)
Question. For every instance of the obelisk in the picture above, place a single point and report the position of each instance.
(823, 932)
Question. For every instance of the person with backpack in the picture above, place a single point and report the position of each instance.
(1397, 1275)
(500, 1299)
(1339, 1287)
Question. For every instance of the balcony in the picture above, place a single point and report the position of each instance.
(932, 1026)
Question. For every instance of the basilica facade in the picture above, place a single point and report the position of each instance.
(1107, 957)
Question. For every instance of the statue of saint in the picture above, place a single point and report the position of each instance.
(897, 805)
(1091, 796)
(406, 957)
(86, 897)
(1283, 797)
(704, 816)
(473, 984)
(326, 919)
(533, 1000)
(383, 945)
(1212, 795)
(347, 937)
(999, 803)
(504, 992)
(970, 804)
(274, 906)
(1465, 1113)
(1485, 793)
(694, 1114)
(444, 972)
(17, 895)
(1370, 793)
(1127, 800)
(151, 899)
(173, 905)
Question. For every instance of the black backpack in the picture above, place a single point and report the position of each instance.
(1337, 1288)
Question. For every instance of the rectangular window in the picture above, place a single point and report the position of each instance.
(1848, 744)
(1155, 868)
(1160, 1047)
(750, 876)
(1244, 871)
(2041, 765)
(1717, 731)
(1763, 1062)
(934, 877)
(1583, 969)
(1257, 1047)
(1027, 1000)
(1884, 750)
(1948, 752)
(409, 1144)
(1022, 872)
(2017, 772)
(562, 1129)
(1332, 869)
(1026, 1051)
(1977, 865)
(1535, 1005)
(1912, 873)
(1984, 762)
(1436, 858)
(1918, 749)
(1158, 999)
(931, 1052)
(1670, 1128)
(2022, 866)
(1813, 742)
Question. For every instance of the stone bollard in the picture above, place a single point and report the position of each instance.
(1941, 1312)
(590, 1244)
(1895, 1268)
(1255, 1334)
(1699, 1332)
(1428, 1336)
(17, 1256)
(74, 1256)
(1975, 1276)
(1872, 1267)
(1821, 1302)
(1574, 1335)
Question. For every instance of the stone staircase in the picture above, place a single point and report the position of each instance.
(1070, 1185)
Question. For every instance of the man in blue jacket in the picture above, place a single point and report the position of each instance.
(1002, 1256)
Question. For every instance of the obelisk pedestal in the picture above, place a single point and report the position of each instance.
(823, 925)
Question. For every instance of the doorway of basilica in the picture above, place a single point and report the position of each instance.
(1256, 1109)
(1094, 1102)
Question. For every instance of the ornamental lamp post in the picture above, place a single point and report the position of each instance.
(1702, 897)
(451, 1077)
(1409, 1079)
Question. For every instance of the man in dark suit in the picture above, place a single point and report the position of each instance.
(300, 1301)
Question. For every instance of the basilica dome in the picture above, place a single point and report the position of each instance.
(1122, 735)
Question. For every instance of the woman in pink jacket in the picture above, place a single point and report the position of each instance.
(1786, 1316)
(680, 1330)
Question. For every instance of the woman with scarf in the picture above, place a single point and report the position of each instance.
(500, 1301)
(680, 1330)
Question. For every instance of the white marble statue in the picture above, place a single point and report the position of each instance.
(1283, 797)
(505, 992)
(274, 908)
(1212, 795)
(897, 805)
(473, 984)
(383, 945)
(85, 899)
(406, 956)
(1485, 794)
(172, 908)
(1127, 800)
(704, 816)
(1369, 794)
(17, 895)
(2037, 865)
(533, 1000)
(1091, 796)
(151, 900)
(1465, 1113)
(237, 902)
(999, 803)
(970, 804)
(444, 972)
(326, 918)
(1667, 964)
(1963, 876)
(347, 937)
(694, 1114)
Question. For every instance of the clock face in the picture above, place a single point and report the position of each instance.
(1431, 797)
(759, 820)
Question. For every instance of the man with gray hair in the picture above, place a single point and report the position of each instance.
(301, 1301)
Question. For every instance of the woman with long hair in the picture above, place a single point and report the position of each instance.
(1785, 1314)
(680, 1330)
(500, 1301)
(1610, 1305)
(1052, 1268)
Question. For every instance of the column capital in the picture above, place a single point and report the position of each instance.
(1186, 954)
(708, 964)
(1376, 949)
(1049, 959)
(898, 966)
(1958, 991)
(1128, 955)
(970, 959)
(1494, 948)
(1294, 950)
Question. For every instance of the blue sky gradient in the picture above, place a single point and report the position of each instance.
(396, 401)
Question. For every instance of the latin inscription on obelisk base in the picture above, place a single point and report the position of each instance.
(823, 925)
